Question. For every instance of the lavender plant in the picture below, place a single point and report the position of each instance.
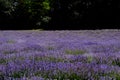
(60, 55)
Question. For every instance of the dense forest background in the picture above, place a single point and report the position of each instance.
(59, 14)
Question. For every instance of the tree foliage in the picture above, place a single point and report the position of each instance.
(25, 13)
(83, 13)
(57, 14)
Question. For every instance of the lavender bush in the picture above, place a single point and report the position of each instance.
(60, 55)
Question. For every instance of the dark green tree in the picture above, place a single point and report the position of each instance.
(24, 14)
(82, 14)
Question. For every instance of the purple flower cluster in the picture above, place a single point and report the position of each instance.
(60, 55)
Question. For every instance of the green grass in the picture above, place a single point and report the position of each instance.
(10, 41)
(89, 59)
(75, 52)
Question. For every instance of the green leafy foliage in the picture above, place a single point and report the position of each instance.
(25, 12)
(58, 13)
(46, 5)
(6, 6)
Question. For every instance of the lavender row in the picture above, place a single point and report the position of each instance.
(60, 55)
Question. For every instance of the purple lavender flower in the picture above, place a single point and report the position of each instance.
(60, 55)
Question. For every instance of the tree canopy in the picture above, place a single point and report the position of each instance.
(58, 14)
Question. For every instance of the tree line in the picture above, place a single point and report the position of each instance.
(58, 14)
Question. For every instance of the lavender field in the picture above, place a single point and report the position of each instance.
(60, 55)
